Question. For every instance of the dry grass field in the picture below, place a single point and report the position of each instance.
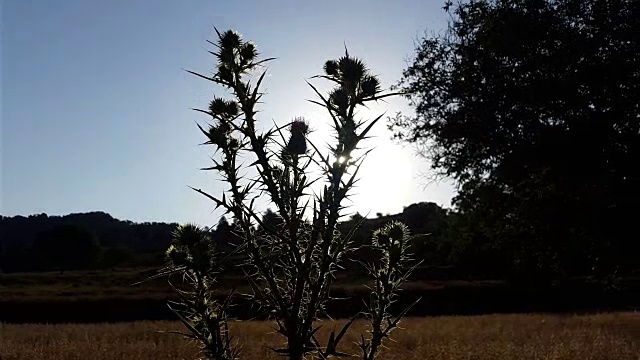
(550, 337)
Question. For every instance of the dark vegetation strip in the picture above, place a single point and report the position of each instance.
(446, 300)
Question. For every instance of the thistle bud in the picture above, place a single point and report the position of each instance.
(331, 68)
(370, 86)
(217, 135)
(380, 238)
(189, 235)
(352, 69)
(176, 256)
(297, 143)
(248, 52)
(397, 231)
(225, 74)
(231, 108)
(230, 39)
(339, 98)
(218, 106)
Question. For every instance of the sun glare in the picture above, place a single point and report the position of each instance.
(386, 182)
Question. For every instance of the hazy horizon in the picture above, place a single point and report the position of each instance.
(96, 105)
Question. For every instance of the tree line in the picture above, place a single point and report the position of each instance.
(447, 241)
(79, 241)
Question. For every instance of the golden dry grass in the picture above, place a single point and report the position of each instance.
(549, 337)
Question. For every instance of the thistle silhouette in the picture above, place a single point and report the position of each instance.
(289, 266)
(297, 143)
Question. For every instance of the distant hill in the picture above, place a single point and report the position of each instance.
(422, 217)
(20, 231)
(24, 240)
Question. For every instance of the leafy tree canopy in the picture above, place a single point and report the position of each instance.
(532, 106)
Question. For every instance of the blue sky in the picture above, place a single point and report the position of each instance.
(95, 104)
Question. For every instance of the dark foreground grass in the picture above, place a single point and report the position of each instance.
(119, 284)
(613, 336)
(82, 285)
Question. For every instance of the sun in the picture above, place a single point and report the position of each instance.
(386, 180)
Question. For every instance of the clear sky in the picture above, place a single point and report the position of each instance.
(95, 104)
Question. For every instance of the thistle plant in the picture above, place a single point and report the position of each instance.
(193, 254)
(395, 266)
(290, 264)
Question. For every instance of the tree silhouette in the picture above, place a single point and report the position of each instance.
(113, 257)
(532, 106)
(67, 247)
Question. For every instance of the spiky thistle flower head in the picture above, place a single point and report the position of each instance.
(370, 86)
(177, 256)
(397, 231)
(219, 134)
(399, 234)
(297, 143)
(223, 108)
(230, 39)
(248, 51)
(380, 238)
(392, 240)
(352, 70)
(187, 235)
(299, 125)
(192, 246)
(339, 98)
(232, 108)
(331, 68)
